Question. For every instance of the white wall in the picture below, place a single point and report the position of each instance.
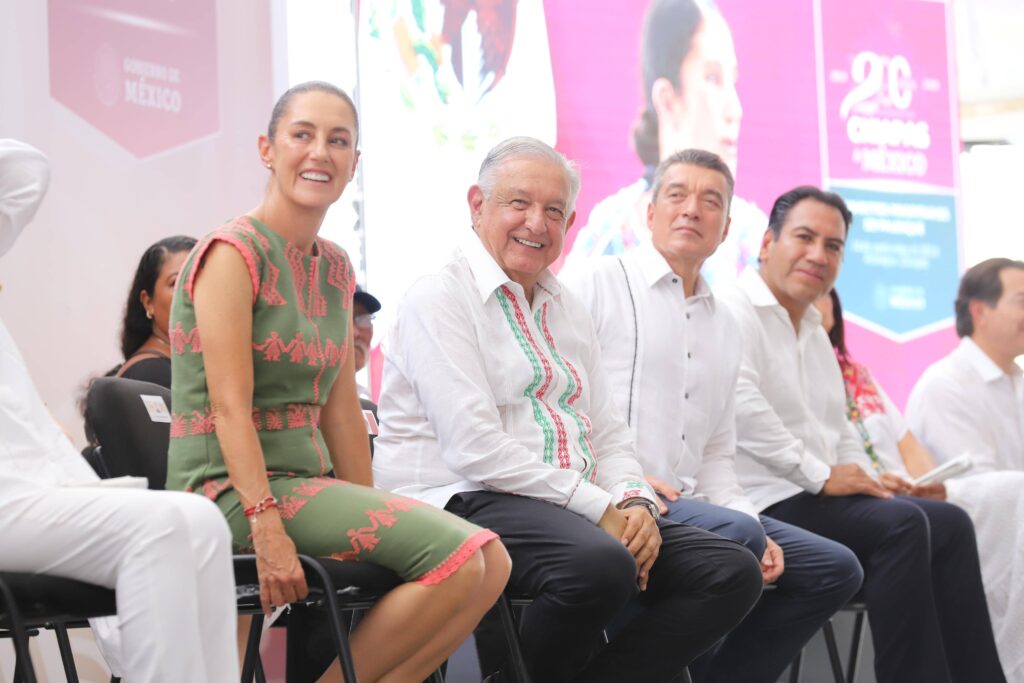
(65, 281)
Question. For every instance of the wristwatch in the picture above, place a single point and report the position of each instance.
(650, 505)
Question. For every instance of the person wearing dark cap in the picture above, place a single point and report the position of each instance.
(364, 306)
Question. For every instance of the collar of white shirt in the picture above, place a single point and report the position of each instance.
(756, 289)
(488, 275)
(980, 361)
(655, 268)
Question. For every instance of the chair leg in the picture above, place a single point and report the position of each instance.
(515, 649)
(855, 645)
(338, 628)
(260, 676)
(24, 672)
(252, 648)
(67, 658)
(833, 652)
(795, 667)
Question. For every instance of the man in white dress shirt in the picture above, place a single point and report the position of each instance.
(801, 462)
(972, 401)
(167, 554)
(673, 355)
(495, 406)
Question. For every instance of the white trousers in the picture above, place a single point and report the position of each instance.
(995, 502)
(168, 555)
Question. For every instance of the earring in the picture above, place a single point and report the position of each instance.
(149, 314)
(267, 164)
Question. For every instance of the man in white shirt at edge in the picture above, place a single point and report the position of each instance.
(495, 406)
(800, 461)
(972, 401)
(167, 553)
(673, 355)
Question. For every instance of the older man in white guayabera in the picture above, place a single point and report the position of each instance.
(495, 405)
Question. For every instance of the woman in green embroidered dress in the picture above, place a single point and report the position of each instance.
(265, 406)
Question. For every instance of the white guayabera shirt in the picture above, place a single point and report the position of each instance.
(482, 391)
(673, 362)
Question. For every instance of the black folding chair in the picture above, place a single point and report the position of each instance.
(29, 602)
(132, 444)
(510, 607)
(860, 611)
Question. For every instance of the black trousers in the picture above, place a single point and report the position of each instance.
(580, 578)
(922, 583)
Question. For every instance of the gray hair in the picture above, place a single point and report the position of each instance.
(694, 157)
(523, 146)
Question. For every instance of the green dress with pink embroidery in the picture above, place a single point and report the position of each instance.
(301, 311)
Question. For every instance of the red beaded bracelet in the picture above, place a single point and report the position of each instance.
(266, 504)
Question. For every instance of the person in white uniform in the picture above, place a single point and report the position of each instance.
(992, 498)
(673, 354)
(167, 555)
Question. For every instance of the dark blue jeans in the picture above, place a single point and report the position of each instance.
(820, 576)
(922, 583)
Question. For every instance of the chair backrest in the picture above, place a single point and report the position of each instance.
(132, 429)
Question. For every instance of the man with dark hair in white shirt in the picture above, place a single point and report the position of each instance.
(673, 355)
(801, 462)
(972, 401)
(495, 406)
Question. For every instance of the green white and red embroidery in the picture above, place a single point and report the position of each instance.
(546, 417)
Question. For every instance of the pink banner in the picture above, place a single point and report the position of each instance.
(142, 72)
(847, 96)
(887, 95)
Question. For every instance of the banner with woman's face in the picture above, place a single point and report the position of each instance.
(854, 97)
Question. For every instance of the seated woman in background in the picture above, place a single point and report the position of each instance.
(993, 500)
(145, 338)
(264, 404)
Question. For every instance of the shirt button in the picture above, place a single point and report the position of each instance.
(684, 437)
(689, 355)
(687, 316)
(675, 280)
(686, 395)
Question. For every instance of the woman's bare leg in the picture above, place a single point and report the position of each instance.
(414, 628)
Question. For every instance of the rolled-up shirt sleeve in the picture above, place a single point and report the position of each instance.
(24, 178)
(762, 434)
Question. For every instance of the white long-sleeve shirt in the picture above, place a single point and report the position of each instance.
(482, 391)
(791, 424)
(966, 403)
(34, 451)
(673, 362)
